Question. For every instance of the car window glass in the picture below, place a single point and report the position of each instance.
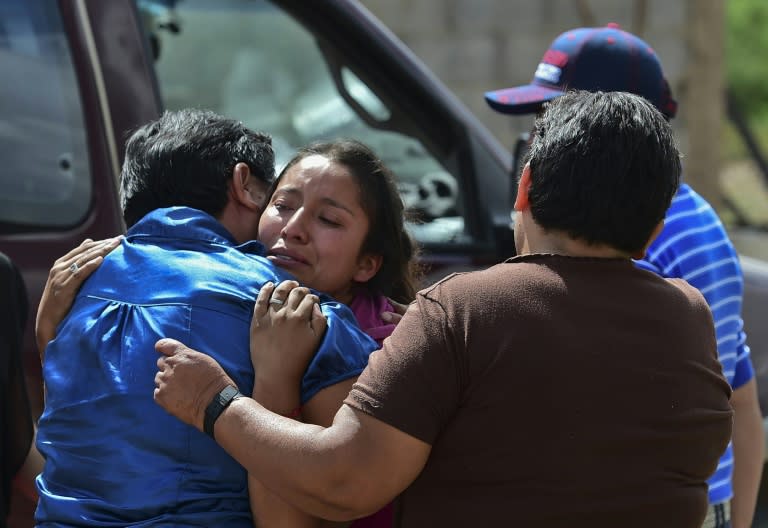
(251, 61)
(45, 178)
(364, 96)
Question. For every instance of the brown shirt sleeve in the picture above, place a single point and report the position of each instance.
(414, 382)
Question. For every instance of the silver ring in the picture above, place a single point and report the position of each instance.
(277, 302)
(74, 268)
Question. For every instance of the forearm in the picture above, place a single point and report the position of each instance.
(281, 396)
(268, 509)
(44, 334)
(32, 467)
(342, 472)
(748, 454)
(302, 463)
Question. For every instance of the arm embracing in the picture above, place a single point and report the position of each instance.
(342, 472)
(275, 326)
(275, 329)
(348, 470)
(64, 280)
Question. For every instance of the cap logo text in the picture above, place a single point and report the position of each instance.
(548, 72)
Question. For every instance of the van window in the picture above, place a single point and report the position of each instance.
(251, 61)
(45, 177)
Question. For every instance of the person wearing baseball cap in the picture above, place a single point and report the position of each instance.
(605, 59)
(693, 244)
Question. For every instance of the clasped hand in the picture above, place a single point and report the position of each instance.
(286, 330)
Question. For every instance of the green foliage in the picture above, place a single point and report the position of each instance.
(746, 47)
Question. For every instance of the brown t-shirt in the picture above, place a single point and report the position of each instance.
(555, 392)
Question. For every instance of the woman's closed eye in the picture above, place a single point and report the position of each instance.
(330, 222)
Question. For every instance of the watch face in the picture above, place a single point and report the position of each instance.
(227, 393)
(219, 402)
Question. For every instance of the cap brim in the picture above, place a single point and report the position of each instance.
(525, 99)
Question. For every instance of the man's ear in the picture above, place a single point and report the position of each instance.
(368, 265)
(246, 190)
(521, 200)
(656, 231)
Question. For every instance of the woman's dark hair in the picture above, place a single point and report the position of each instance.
(384, 208)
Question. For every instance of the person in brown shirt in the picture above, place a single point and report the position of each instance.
(564, 387)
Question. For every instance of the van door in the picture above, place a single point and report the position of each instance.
(57, 146)
(57, 180)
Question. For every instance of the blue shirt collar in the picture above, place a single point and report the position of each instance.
(192, 224)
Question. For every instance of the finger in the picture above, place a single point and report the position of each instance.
(72, 280)
(391, 317)
(284, 288)
(72, 262)
(295, 298)
(262, 301)
(306, 303)
(85, 245)
(88, 252)
(399, 308)
(85, 270)
(280, 294)
(64, 260)
(169, 347)
(318, 322)
(100, 249)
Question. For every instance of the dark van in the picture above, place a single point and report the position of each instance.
(80, 75)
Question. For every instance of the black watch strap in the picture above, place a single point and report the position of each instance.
(219, 402)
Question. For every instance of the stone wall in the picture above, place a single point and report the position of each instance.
(478, 45)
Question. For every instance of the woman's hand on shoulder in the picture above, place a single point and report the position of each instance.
(64, 280)
(394, 317)
(286, 329)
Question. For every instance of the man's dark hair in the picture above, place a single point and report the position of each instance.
(186, 158)
(604, 168)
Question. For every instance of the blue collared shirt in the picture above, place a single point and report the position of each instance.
(113, 456)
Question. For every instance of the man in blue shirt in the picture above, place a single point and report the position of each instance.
(192, 190)
(693, 244)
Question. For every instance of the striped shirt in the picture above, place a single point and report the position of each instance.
(694, 246)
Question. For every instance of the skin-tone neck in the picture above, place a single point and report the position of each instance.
(530, 237)
(246, 197)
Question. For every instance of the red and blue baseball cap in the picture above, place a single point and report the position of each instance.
(605, 59)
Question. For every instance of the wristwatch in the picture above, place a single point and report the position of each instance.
(219, 402)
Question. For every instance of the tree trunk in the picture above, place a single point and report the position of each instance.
(703, 99)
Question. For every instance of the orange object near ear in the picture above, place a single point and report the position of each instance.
(521, 200)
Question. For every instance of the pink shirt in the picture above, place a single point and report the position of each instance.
(367, 309)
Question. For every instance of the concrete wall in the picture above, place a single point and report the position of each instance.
(478, 45)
